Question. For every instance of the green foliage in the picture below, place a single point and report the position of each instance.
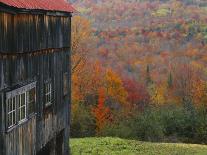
(160, 43)
(179, 123)
(114, 146)
(169, 123)
(201, 126)
(149, 126)
(146, 126)
(82, 121)
(124, 129)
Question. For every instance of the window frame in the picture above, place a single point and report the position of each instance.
(48, 100)
(11, 111)
(16, 113)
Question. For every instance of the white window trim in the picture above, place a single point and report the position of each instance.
(12, 112)
(48, 94)
(20, 90)
(16, 95)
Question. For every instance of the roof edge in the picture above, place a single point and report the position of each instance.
(15, 10)
(43, 5)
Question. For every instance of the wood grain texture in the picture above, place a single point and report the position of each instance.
(35, 47)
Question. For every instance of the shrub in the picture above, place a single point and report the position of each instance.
(169, 123)
(82, 121)
(144, 126)
(201, 126)
(123, 129)
(179, 123)
(149, 126)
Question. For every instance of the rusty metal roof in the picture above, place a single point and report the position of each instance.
(48, 5)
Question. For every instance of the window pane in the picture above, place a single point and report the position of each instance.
(23, 112)
(8, 105)
(19, 103)
(11, 111)
(50, 87)
(22, 108)
(8, 119)
(14, 117)
(22, 99)
(19, 100)
(13, 103)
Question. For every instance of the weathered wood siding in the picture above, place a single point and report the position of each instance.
(20, 140)
(26, 32)
(34, 48)
(23, 70)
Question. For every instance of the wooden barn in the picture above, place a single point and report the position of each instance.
(34, 76)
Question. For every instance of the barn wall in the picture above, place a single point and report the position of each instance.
(1, 108)
(20, 140)
(52, 120)
(1, 126)
(26, 32)
(40, 40)
(1, 99)
(23, 70)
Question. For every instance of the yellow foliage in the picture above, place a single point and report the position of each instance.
(81, 34)
(158, 94)
(162, 12)
(114, 87)
(199, 91)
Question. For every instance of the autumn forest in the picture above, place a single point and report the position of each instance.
(139, 70)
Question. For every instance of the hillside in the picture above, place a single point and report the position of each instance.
(131, 34)
(143, 73)
(116, 146)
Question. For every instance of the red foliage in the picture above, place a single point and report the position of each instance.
(101, 112)
(137, 92)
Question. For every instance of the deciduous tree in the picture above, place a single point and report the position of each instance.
(101, 112)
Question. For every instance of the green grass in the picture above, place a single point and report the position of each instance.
(117, 146)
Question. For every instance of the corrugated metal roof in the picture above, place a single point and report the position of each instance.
(50, 5)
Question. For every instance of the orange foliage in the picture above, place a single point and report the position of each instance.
(101, 112)
(114, 87)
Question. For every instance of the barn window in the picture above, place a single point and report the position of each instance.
(22, 107)
(48, 94)
(20, 104)
(11, 109)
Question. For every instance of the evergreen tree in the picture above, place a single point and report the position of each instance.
(148, 76)
(170, 80)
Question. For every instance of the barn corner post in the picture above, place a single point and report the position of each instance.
(1, 119)
(68, 112)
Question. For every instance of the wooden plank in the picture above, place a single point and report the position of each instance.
(21, 140)
(26, 33)
(35, 48)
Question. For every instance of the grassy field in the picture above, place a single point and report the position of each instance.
(117, 146)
